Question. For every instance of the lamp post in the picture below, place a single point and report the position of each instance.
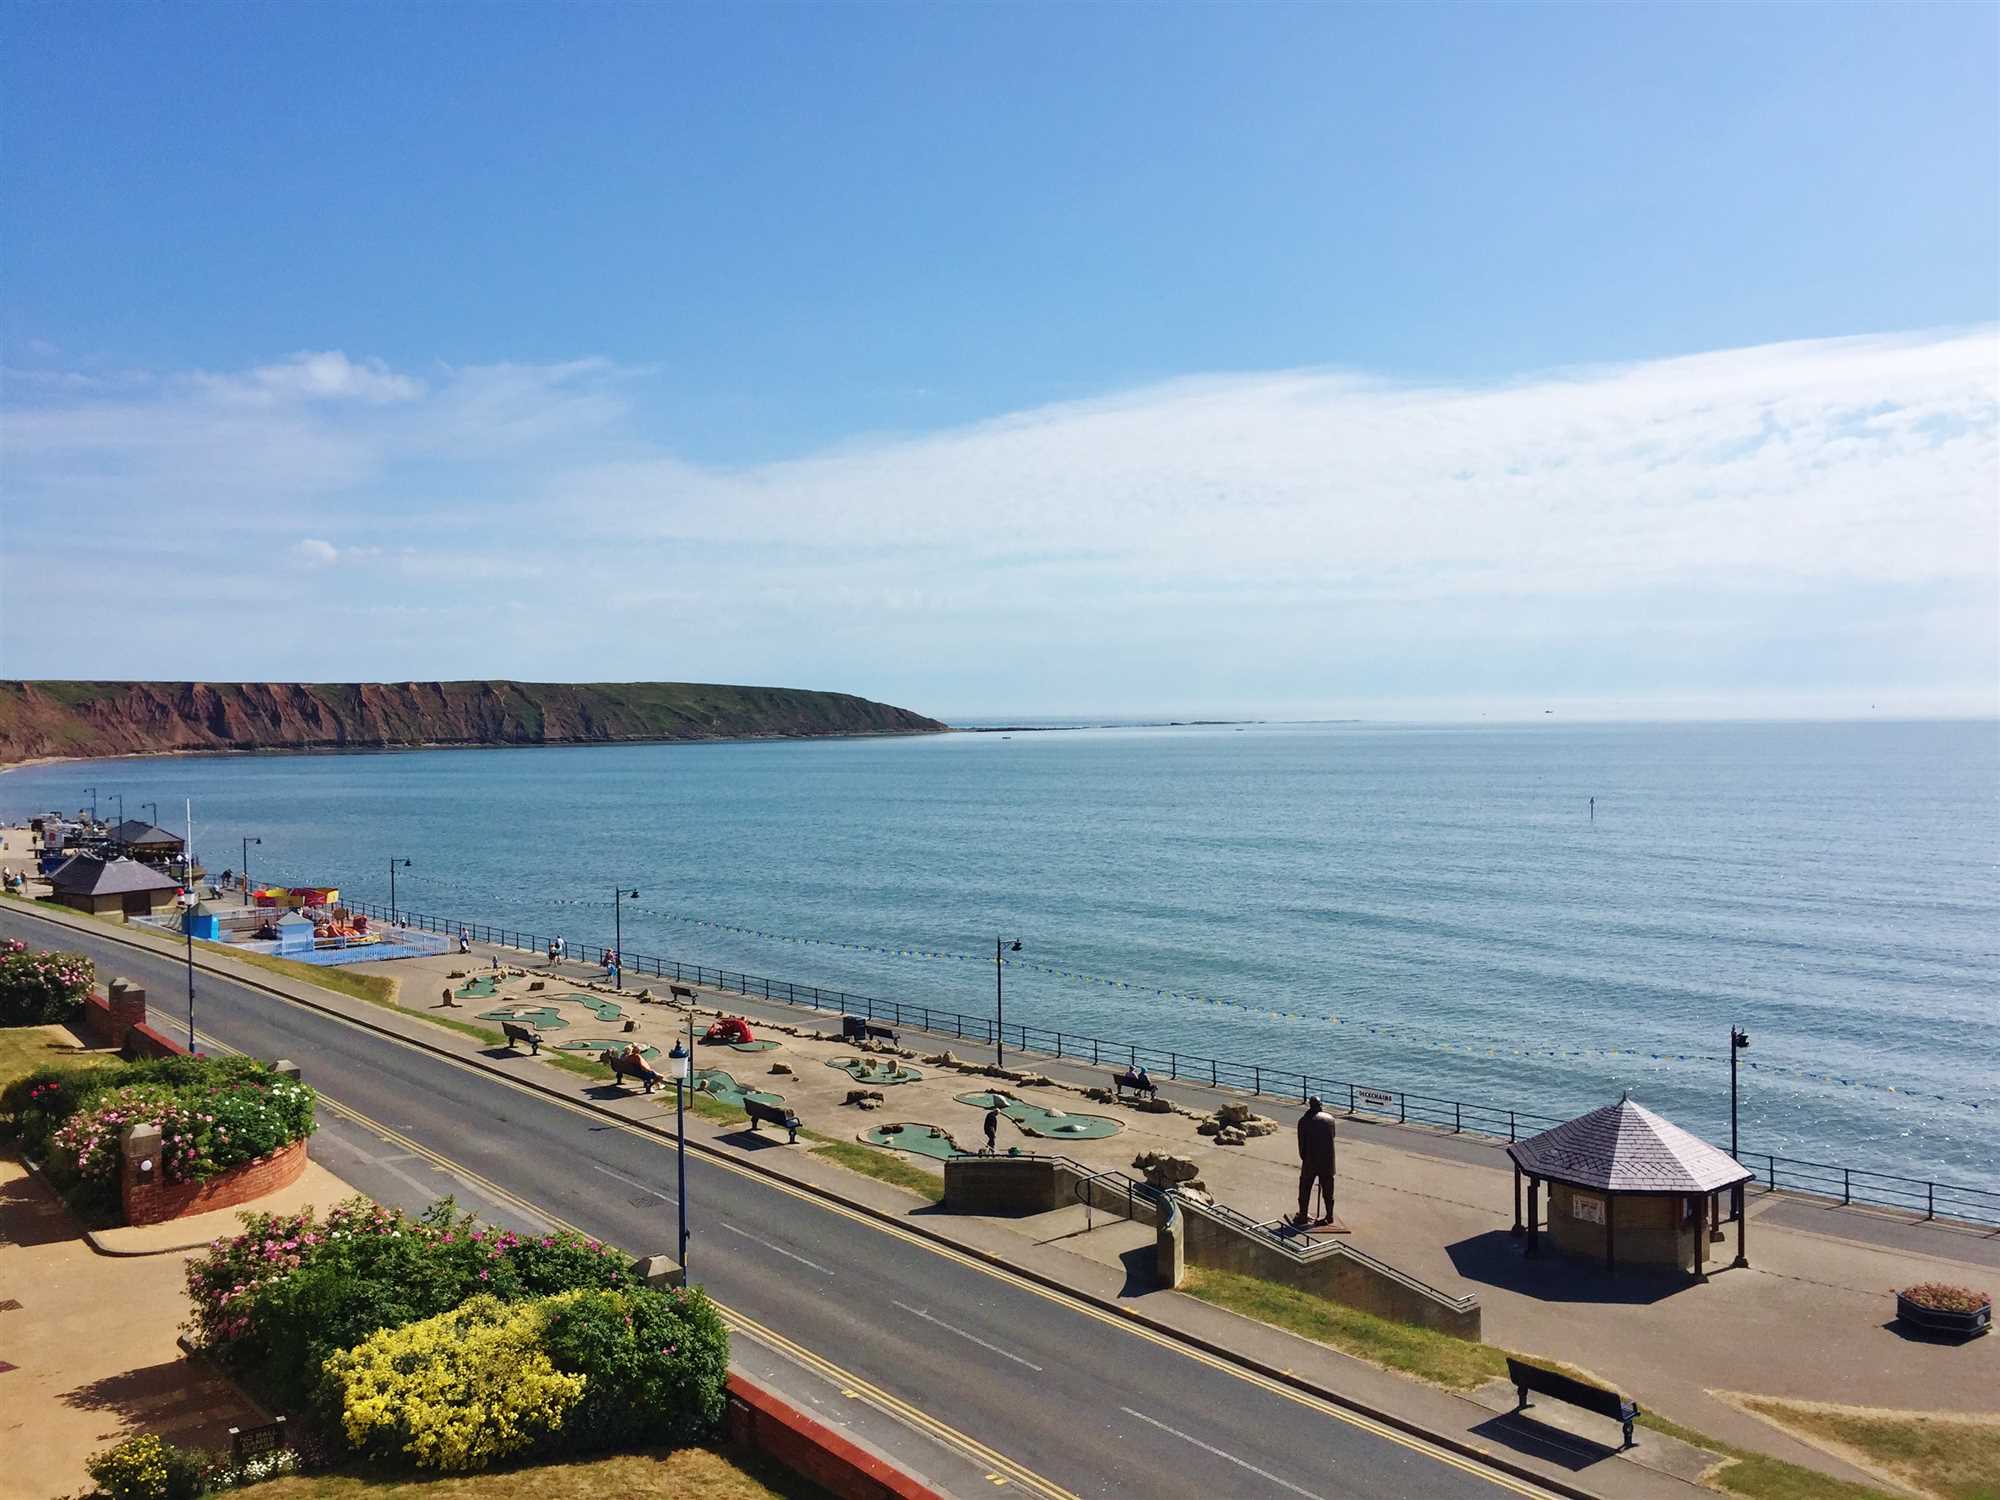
(619, 897)
(119, 798)
(155, 819)
(246, 867)
(392, 886)
(188, 904)
(1739, 1041)
(1000, 952)
(682, 1058)
(93, 802)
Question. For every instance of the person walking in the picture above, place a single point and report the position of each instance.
(992, 1130)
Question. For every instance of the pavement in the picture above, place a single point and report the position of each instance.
(1064, 1392)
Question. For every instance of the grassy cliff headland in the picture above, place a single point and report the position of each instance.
(54, 719)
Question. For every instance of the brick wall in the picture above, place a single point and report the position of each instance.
(157, 1201)
(764, 1422)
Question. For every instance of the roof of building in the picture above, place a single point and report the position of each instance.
(87, 875)
(1626, 1148)
(138, 831)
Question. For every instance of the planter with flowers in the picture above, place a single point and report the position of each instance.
(1935, 1307)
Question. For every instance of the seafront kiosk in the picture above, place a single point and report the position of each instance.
(1628, 1187)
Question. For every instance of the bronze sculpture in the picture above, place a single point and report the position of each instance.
(1315, 1160)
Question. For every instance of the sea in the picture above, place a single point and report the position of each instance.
(1534, 917)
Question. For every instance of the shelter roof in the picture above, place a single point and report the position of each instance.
(87, 875)
(1626, 1148)
(136, 831)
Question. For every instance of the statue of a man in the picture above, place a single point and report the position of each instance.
(1315, 1158)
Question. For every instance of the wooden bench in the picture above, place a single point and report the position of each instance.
(773, 1114)
(859, 1029)
(1128, 1083)
(1567, 1388)
(623, 1067)
(522, 1036)
(680, 992)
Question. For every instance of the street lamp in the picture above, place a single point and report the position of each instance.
(1000, 952)
(119, 798)
(682, 1059)
(246, 868)
(392, 887)
(1738, 1040)
(188, 904)
(93, 802)
(155, 819)
(618, 899)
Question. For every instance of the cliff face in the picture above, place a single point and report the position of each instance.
(127, 718)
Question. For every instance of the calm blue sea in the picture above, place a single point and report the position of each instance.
(1444, 892)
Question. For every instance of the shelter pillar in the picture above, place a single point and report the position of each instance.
(1742, 1261)
(1517, 1199)
(1534, 1214)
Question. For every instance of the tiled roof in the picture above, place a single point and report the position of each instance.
(1625, 1148)
(86, 875)
(138, 831)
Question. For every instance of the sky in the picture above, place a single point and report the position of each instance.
(1004, 360)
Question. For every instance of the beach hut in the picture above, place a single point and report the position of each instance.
(1627, 1187)
(295, 933)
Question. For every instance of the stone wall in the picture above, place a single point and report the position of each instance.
(761, 1421)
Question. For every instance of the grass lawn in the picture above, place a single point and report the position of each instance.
(376, 989)
(26, 1048)
(683, 1474)
(872, 1161)
(1459, 1364)
(1959, 1460)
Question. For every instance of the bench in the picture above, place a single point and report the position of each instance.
(1130, 1083)
(680, 992)
(522, 1036)
(858, 1029)
(1567, 1388)
(623, 1067)
(773, 1114)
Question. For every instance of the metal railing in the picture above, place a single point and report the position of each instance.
(1841, 1184)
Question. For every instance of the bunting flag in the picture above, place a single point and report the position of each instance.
(1405, 1035)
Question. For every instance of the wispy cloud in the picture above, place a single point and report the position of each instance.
(1816, 515)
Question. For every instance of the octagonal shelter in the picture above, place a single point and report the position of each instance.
(1630, 1187)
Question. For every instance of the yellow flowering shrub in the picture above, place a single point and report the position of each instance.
(455, 1391)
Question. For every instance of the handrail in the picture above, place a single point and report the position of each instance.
(1132, 1187)
(1849, 1185)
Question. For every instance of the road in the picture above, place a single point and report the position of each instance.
(969, 1376)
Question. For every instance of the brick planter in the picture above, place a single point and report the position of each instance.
(148, 1200)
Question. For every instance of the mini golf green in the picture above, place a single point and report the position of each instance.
(541, 1017)
(719, 1084)
(483, 988)
(1052, 1123)
(924, 1140)
(750, 1046)
(602, 1044)
(875, 1070)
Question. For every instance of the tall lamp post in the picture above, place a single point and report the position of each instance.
(619, 897)
(93, 802)
(246, 868)
(1739, 1039)
(188, 903)
(119, 798)
(1000, 951)
(392, 886)
(682, 1058)
(155, 819)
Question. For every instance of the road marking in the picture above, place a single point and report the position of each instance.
(635, 1182)
(779, 1248)
(1240, 1463)
(968, 1337)
(1074, 1304)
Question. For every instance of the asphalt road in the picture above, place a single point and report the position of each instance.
(1081, 1402)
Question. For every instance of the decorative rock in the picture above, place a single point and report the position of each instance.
(874, 1103)
(644, 995)
(863, 1096)
(781, 1068)
(456, 974)
(1232, 1114)
(1164, 1170)
(1155, 1107)
(1258, 1125)
(1099, 1096)
(535, 984)
(1207, 1127)
(1229, 1135)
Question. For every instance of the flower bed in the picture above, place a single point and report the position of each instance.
(441, 1341)
(1937, 1307)
(214, 1114)
(41, 989)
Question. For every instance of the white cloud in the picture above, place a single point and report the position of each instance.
(1816, 511)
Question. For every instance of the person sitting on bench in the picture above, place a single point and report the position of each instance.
(1137, 1082)
(633, 1061)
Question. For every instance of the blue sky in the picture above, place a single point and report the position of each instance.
(1021, 358)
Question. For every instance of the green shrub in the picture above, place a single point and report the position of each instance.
(148, 1468)
(40, 989)
(654, 1362)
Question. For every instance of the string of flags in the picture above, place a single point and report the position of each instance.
(1407, 1035)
